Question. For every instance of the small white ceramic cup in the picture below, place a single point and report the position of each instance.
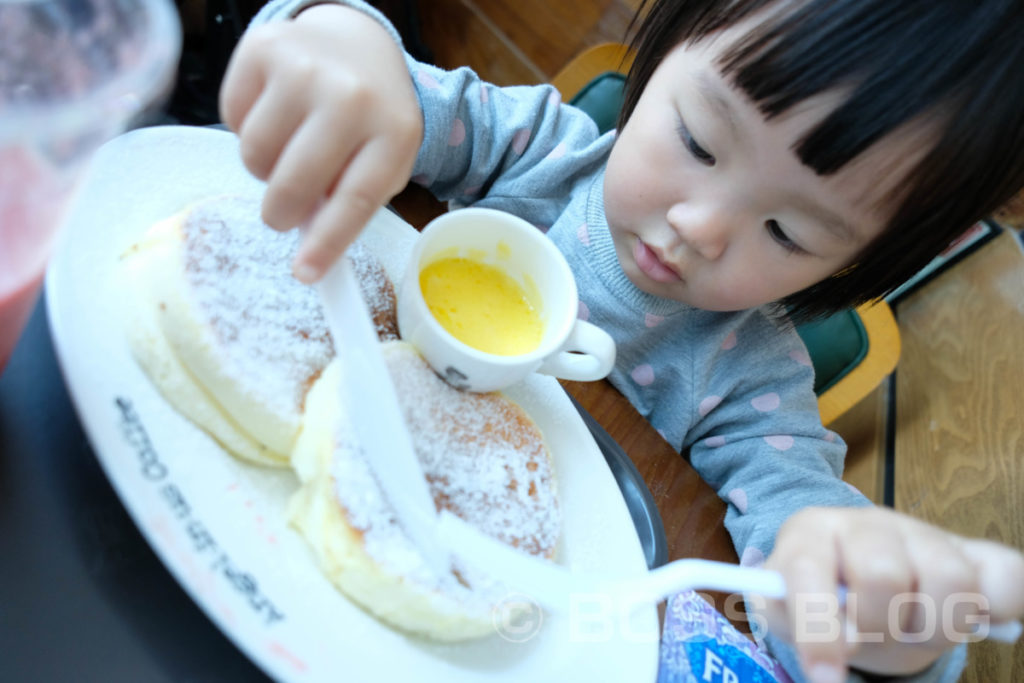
(569, 348)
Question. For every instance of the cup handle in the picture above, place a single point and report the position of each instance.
(588, 354)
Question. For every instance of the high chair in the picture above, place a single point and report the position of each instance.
(852, 351)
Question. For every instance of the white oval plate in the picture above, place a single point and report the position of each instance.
(218, 524)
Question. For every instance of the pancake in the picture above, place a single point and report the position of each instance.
(485, 460)
(225, 332)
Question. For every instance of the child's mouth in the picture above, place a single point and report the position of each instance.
(650, 265)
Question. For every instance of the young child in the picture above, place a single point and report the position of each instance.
(800, 155)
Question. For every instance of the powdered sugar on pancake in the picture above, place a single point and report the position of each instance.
(378, 292)
(270, 326)
(484, 458)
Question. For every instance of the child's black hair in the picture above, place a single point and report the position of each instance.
(955, 65)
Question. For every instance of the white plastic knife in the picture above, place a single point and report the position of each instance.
(369, 397)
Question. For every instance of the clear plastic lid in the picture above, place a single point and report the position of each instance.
(82, 68)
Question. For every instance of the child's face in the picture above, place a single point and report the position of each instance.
(708, 203)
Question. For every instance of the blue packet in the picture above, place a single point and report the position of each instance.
(699, 645)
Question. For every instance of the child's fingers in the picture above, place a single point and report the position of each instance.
(311, 161)
(374, 176)
(267, 128)
(333, 228)
(913, 589)
(244, 80)
(1000, 577)
(875, 567)
(808, 560)
(946, 590)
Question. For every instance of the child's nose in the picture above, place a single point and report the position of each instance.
(704, 229)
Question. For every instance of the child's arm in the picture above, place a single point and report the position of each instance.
(516, 149)
(914, 590)
(325, 110)
(760, 444)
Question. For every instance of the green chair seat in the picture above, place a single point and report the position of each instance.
(602, 98)
(836, 344)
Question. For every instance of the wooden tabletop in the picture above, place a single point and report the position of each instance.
(691, 511)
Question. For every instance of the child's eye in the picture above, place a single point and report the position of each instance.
(698, 152)
(780, 236)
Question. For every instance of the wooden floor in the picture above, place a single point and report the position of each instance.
(957, 438)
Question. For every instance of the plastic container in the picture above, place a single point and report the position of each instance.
(73, 74)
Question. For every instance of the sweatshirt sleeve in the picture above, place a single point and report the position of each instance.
(946, 669)
(282, 10)
(759, 441)
(516, 148)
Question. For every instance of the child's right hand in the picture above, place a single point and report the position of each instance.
(326, 112)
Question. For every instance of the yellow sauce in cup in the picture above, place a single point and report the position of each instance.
(481, 306)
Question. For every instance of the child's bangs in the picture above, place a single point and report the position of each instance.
(952, 67)
(897, 60)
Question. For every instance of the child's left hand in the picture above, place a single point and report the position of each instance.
(913, 590)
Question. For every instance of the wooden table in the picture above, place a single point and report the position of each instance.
(691, 511)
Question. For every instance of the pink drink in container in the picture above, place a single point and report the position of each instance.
(73, 73)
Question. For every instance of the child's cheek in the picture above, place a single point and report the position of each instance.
(627, 193)
(618, 200)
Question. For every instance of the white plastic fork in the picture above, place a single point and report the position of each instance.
(555, 588)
